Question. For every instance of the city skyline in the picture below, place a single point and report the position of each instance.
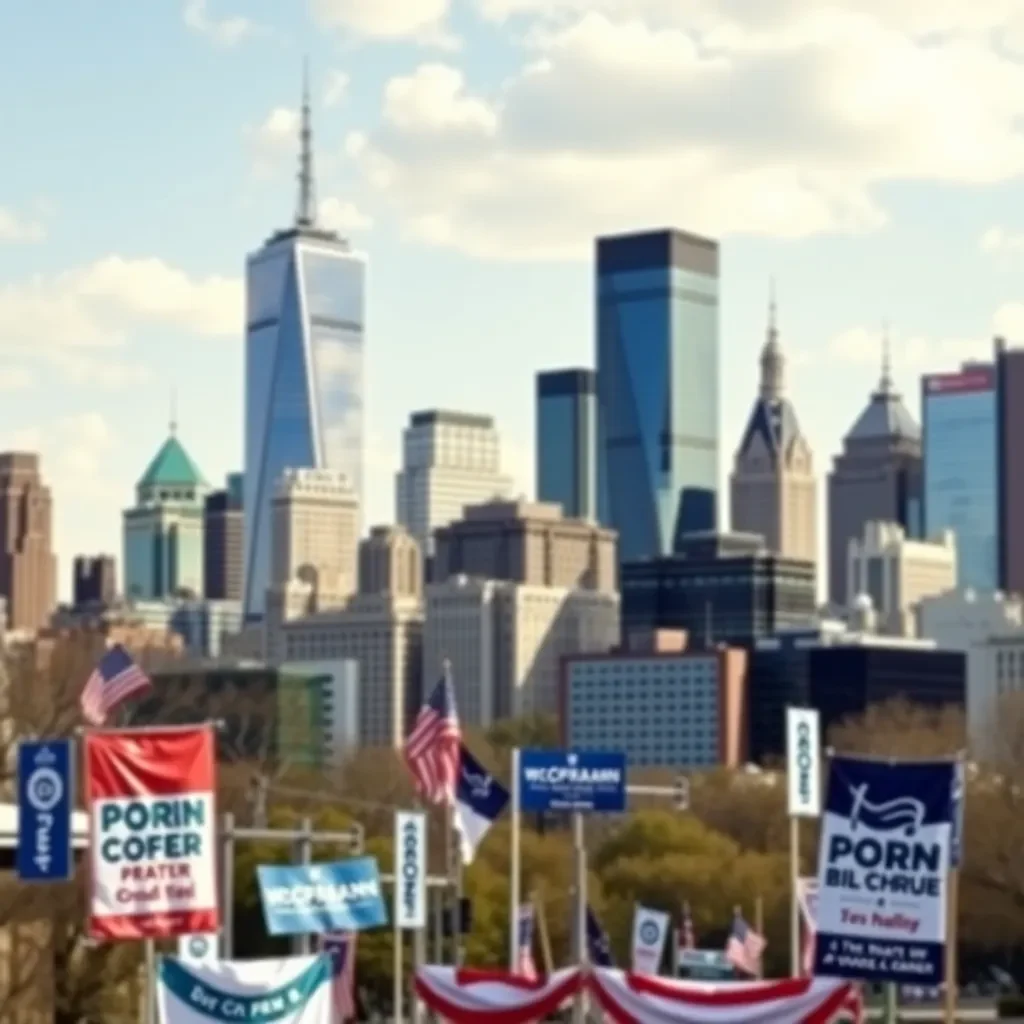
(121, 259)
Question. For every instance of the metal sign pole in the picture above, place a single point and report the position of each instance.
(397, 970)
(794, 897)
(150, 1017)
(227, 868)
(580, 851)
(514, 878)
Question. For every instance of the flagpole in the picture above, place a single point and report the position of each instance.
(513, 887)
(759, 927)
(545, 938)
(455, 873)
(396, 967)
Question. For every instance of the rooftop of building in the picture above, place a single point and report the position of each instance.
(172, 466)
(885, 417)
(450, 418)
(571, 381)
(658, 249)
(521, 510)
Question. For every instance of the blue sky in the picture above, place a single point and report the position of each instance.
(865, 153)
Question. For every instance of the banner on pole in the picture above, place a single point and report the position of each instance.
(410, 869)
(883, 870)
(650, 929)
(151, 798)
(292, 990)
(46, 792)
(309, 898)
(803, 762)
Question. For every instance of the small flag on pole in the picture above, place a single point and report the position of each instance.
(744, 947)
(688, 940)
(341, 947)
(524, 959)
(113, 680)
(599, 946)
(432, 750)
(479, 801)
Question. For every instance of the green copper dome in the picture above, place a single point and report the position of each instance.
(172, 467)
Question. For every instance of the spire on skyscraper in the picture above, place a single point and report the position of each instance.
(305, 212)
(885, 381)
(772, 359)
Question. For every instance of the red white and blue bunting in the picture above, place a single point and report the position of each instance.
(470, 996)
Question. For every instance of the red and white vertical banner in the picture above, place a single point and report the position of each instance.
(151, 795)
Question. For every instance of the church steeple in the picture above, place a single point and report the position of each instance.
(305, 210)
(773, 362)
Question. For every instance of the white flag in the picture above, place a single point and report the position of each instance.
(291, 990)
(650, 929)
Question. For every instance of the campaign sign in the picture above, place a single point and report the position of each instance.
(45, 795)
(572, 780)
(305, 899)
(152, 814)
(410, 869)
(292, 990)
(883, 869)
(704, 965)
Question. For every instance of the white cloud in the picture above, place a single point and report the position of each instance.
(17, 228)
(74, 452)
(341, 216)
(1001, 242)
(278, 130)
(97, 305)
(421, 20)
(336, 88)
(225, 31)
(15, 378)
(779, 121)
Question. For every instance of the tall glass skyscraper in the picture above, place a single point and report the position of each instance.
(567, 440)
(960, 468)
(657, 388)
(303, 366)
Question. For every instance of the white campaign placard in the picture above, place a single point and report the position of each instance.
(650, 929)
(803, 762)
(410, 869)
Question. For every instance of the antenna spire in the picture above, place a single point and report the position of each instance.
(305, 211)
(174, 411)
(885, 383)
(772, 309)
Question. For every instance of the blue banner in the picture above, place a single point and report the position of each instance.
(572, 780)
(45, 807)
(310, 898)
(883, 871)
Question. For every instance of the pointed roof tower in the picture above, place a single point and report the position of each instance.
(773, 417)
(885, 417)
(305, 209)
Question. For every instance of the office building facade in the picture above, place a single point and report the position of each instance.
(449, 460)
(305, 299)
(223, 541)
(718, 588)
(897, 572)
(1009, 364)
(876, 477)
(843, 675)
(94, 580)
(661, 705)
(163, 531)
(566, 441)
(28, 566)
(527, 542)
(657, 388)
(774, 491)
(960, 468)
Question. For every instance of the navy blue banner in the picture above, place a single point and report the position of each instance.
(883, 870)
(572, 780)
(45, 808)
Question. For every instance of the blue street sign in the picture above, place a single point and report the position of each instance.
(572, 780)
(45, 806)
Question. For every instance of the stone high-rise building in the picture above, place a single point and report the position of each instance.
(390, 562)
(223, 542)
(28, 567)
(774, 491)
(877, 477)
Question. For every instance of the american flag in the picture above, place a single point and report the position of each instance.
(526, 966)
(687, 938)
(744, 947)
(432, 748)
(341, 947)
(115, 678)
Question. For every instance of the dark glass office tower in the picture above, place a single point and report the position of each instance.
(566, 441)
(657, 388)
